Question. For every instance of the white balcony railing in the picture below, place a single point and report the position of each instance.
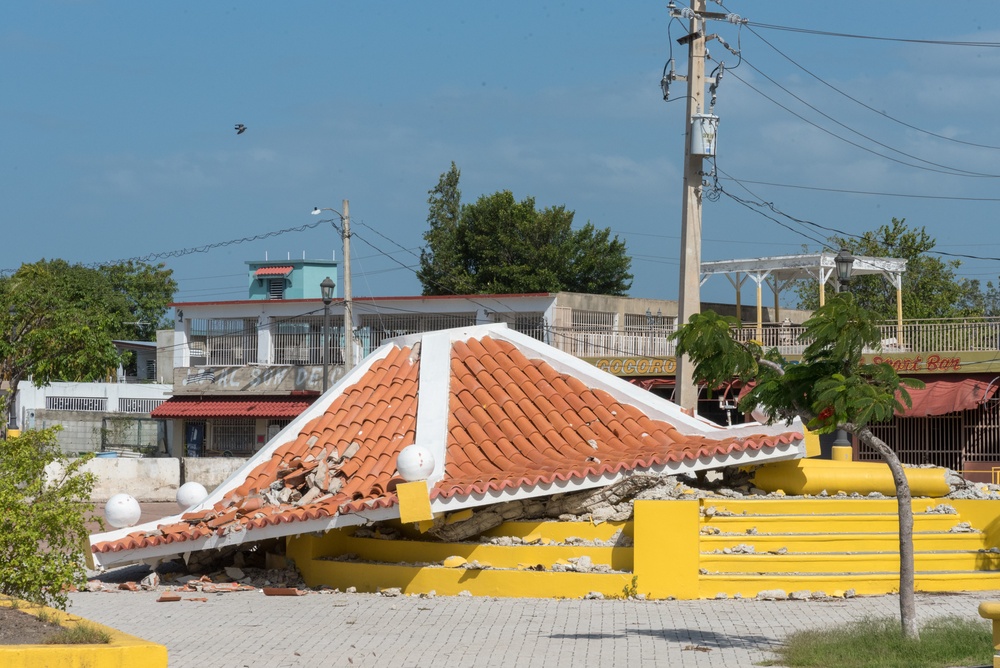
(302, 344)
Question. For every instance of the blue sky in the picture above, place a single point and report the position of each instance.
(117, 139)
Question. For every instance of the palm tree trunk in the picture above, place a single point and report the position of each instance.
(907, 598)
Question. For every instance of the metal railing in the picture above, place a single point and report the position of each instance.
(952, 335)
(300, 341)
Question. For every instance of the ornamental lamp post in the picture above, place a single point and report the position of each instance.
(326, 289)
(845, 265)
(844, 261)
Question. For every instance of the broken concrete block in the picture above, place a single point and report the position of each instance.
(772, 595)
(151, 581)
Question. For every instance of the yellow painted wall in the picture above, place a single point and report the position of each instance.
(666, 548)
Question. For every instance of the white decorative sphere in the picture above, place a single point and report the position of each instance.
(122, 510)
(415, 462)
(191, 493)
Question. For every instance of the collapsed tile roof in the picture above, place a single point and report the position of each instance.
(504, 415)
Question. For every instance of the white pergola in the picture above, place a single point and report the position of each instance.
(777, 272)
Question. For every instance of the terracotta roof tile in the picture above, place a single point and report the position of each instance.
(513, 422)
(265, 407)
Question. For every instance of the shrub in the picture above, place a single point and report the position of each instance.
(45, 500)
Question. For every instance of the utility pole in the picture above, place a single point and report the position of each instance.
(689, 292)
(348, 316)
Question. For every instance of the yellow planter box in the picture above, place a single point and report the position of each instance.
(124, 651)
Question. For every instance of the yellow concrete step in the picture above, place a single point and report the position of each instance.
(748, 586)
(560, 531)
(887, 541)
(815, 506)
(855, 562)
(833, 523)
(410, 579)
(498, 556)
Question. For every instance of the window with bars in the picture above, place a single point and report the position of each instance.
(386, 326)
(300, 341)
(223, 341)
(648, 323)
(530, 324)
(593, 321)
(234, 437)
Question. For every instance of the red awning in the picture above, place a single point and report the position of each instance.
(198, 407)
(273, 271)
(941, 396)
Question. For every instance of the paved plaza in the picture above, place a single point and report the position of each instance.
(237, 629)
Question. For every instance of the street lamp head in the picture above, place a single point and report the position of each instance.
(326, 288)
(845, 264)
(316, 210)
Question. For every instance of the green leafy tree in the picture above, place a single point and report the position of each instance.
(830, 388)
(930, 287)
(500, 246)
(60, 319)
(147, 290)
(45, 500)
(440, 262)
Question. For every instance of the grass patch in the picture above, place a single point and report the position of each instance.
(879, 643)
(80, 634)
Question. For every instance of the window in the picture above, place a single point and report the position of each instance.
(276, 288)
(234, 437)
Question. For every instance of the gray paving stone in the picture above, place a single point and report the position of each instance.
(239, 629)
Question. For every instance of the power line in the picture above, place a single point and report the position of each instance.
(943, 169)
(867, 106)
(864, 192)
(824, 33)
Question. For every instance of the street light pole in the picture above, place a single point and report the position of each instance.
(326, 289)
(345, 219)
(844, 262)
(348, 312)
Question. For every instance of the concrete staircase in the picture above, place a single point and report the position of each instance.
(833, 545)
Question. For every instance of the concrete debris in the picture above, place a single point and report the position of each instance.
(594, 596)
(150, 582)
(772, 595)
(390, 592)
(941, 508)
(963, 527)
(801, 595)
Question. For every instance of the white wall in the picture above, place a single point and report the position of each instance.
(154, 479)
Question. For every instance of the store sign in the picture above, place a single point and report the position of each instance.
(636, 366)
(920, 363)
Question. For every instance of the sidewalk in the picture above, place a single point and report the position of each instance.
(238, 629)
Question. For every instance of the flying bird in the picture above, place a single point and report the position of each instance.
(240, 128)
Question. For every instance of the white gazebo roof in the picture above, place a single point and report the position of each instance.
(780, 270)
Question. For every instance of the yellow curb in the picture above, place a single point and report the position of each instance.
(124, 651)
